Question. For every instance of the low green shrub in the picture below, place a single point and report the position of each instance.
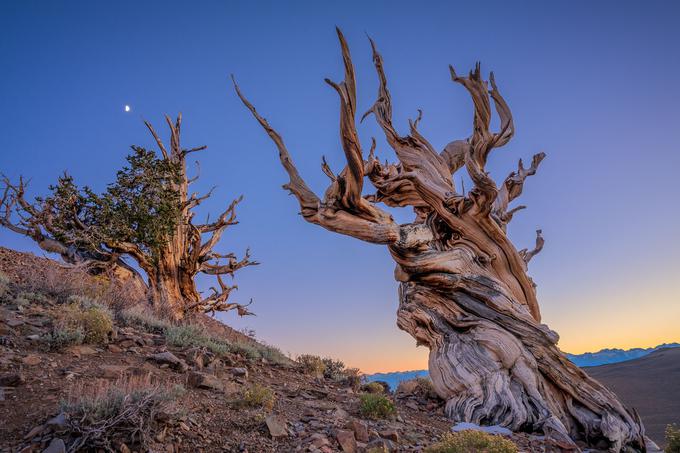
(184, 336)
(374, 387)
(259, 396)
(141, 317)
(470, 441)
(26, 298)
(672, 439)
(92, 319)
(4, 287)
(375, 406)
(311, 364)
(58, 339)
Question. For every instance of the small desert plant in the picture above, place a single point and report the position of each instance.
(311, 364)
(333, 369)
(26, 298)
(421, 386)
(376, 406)
(63, 338)
(184, 336)
(273, 354)
(352, 378)
(672, 439)
(121, 411)
(470, 441)
(374, 387)
(139, 316)
(92, 319)
(4, 287)
(259, 396)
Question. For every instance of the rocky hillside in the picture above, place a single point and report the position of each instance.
(84, 368)
(193, 387)
(650, 384)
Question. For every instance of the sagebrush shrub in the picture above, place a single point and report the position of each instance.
(311, 364)
(470, 441)
(376, 406)
(374, 387)
(95, 321)
(259, 396)
(100, 415)
(672, 439)
(185, 336)
(62, 338)
(139, 316)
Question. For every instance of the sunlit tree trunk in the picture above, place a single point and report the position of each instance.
(464, 290)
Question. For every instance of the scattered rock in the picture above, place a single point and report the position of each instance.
(115, 349)
(12, 380)
(347, 441)
(35, 432)
(58, 422)
(168, 358)
(31, 359)
(204, 381)
(240, 372)
(380, 445)
(390, 434)
(80, 350)
(360, 430)
(56, 446)
(276, 425)
(113, 371)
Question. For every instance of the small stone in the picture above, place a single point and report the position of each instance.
(56, 446)
(276, 425)
(170, 359)
(112, 371)
(240, 372)
(379, 445)
(14, 322)
(123, 448)
(12, 380)
(33, 337)
(115, 349)
(360, 430)
(390, 434)
(347, 441)
(80, 350)
(58, 422)
(34, 432)
(204, 381)
(31, 359)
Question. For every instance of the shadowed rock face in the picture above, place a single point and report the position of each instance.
(464, 289)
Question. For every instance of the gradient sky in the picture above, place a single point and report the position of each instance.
(593, 84)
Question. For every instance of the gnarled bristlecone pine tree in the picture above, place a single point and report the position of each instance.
(464, 291)
(147, 215)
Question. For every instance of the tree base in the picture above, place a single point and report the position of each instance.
(496, 368)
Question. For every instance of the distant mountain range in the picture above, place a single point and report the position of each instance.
(603, 357)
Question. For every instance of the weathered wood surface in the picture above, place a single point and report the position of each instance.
(464, 289)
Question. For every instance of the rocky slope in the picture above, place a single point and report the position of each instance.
(650, 384)
(139, 383)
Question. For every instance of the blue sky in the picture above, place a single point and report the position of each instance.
(593, 84)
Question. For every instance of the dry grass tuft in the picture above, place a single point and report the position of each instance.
(104, 415)
(470, 441)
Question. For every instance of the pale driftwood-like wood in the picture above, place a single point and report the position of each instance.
(171, 271)
(464, 289)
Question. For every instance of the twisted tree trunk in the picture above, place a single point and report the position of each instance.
(464, 289)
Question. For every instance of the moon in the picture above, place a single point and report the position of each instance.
(127, 108)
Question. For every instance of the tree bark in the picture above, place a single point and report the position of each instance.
(464, 289)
